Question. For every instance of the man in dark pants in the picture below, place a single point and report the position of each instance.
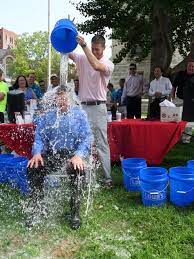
(62, 138)
(132, 92)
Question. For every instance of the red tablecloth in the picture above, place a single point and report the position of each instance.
(129, 138)
(147, 139)
(18, 137)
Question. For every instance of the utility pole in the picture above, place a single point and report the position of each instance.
(49, 45)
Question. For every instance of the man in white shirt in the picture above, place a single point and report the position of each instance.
(160, 89)
(132, 92)
(54, 82)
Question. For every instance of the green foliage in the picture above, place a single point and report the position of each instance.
(131, 22)
(31, 54)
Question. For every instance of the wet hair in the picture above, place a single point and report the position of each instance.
(98, 39)
(16, 85)
(61, 89)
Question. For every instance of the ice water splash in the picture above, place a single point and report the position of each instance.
(56, 191)
(63, 69)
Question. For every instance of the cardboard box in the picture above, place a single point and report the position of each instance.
(171, 114)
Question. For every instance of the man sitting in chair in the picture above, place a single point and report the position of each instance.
(62, 140)
(160, 89)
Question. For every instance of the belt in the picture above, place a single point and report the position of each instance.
(93, 102)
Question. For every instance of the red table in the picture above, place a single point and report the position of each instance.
(129, 138)
(140, 138)
(18, 137)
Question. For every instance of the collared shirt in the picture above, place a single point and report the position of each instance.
(58, 131)
(162, 85)
(37, 90)
(133, 86)
(3, 89)
(92, 83)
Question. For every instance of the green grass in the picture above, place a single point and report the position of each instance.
(118, 226)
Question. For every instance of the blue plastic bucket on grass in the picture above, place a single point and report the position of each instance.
(181, 185)
(4, 159)
(131, 168)
(16, 171)
(190, 163)
(63, 36)
(154, 183)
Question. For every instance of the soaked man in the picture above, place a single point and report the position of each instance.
(62, 137)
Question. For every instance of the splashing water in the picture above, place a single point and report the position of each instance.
(56, 184)
(63, 69)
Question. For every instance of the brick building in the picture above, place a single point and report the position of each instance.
(7, 42)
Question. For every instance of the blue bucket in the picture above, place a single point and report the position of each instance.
(190, 163)
(154, 183)
(131, 168)
(4, 159)
(181, 185)
(16, 171)
(63, 36)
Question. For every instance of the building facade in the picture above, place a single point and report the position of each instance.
(7, 42)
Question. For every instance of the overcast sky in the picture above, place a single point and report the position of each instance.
(32, 15)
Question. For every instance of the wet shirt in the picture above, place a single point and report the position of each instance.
(92, 83)
(63, 131)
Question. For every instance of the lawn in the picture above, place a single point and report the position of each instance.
(118, 225)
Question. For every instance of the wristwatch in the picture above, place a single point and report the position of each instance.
(83, 45)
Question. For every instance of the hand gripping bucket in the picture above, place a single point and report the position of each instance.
(181, 185)
(131, 168)
(4, 159)
(154, 183)
(63, 36)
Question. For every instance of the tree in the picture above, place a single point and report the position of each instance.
(156, 26)
(31, 54)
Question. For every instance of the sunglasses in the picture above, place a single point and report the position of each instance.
(132, 68)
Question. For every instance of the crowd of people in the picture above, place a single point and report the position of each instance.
(96, 95)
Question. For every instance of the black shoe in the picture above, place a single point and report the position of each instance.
(75, 223)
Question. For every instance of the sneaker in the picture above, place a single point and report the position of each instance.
(108, 185)
(75, 223)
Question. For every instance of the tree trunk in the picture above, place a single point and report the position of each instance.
(161, 51)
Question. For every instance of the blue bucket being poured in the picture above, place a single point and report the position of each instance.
(63, 36)
(181, 185)
(154, 183)
(131, 168)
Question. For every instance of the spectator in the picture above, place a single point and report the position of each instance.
(65, 146)
(54, 82)
(21, 83)
(76, 84)
(42, 85)
(3, 96)
(121, 106)
(94, 72)
(160, 89)
(132, 92)
(188, 93)
(34, 86)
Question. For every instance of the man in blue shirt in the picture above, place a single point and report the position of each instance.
(62, 138)
(35, 87)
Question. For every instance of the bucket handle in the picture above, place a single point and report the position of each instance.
(183, 192)
(156, 191)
